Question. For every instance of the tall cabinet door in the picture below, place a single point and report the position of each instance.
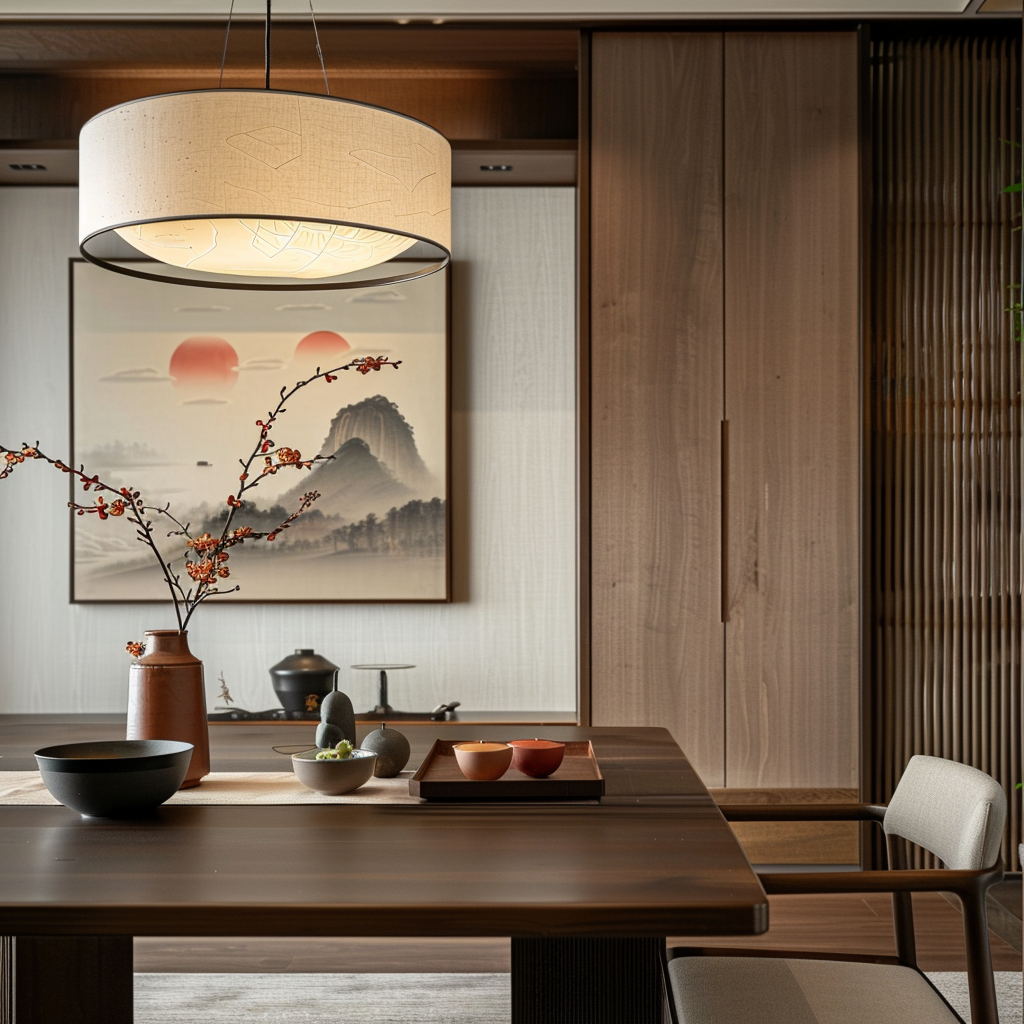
(656, 387)
(792, 403)
(724, 385)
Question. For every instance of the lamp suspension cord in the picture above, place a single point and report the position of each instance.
(224, 55)
(319, 52)
(266, 50)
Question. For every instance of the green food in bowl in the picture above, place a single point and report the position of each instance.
(339, 752)
(334, 775)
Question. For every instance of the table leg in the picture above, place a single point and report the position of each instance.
(66, 979)
(587, 981)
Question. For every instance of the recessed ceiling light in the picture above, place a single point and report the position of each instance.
(27, 167)
(294, 307)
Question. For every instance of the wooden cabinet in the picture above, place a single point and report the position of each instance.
(724, 560)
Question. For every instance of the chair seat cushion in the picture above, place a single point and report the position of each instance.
(767, 990)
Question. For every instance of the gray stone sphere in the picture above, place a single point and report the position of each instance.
(392, 750)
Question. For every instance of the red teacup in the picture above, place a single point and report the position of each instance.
(538, 758)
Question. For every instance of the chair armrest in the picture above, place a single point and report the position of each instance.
(802, 812)
(926, 880)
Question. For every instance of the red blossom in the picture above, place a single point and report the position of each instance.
(369, 363)
(288, 456)
(134, 648)
(201, 572)
(233, 502)
(330, 378)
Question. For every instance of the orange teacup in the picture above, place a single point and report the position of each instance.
(538, 758)
(482, 761)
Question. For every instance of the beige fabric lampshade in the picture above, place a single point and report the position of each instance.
(268, 188)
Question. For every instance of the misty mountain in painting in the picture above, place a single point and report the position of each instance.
(352, 484)
(378, 422)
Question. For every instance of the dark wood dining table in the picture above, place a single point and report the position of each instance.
(586, 891)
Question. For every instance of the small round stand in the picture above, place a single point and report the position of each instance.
(383, 708)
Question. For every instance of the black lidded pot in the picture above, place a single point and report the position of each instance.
(303, 679)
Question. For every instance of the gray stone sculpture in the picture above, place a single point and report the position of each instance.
(337, 720)
(392, 750)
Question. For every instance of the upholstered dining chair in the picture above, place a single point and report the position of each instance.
(955, 812)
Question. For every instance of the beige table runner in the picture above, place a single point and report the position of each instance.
(26, 789)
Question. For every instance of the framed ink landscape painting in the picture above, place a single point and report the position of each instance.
(167, 384)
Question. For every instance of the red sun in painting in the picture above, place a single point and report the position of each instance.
(320, 348)
(204, 363)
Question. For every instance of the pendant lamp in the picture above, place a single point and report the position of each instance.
(262, 188)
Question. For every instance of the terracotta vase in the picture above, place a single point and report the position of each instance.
(167, 698)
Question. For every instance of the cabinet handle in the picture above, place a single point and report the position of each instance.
(724, 575)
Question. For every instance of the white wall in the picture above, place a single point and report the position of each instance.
(508, 641)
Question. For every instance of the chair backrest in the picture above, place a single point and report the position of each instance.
(956, 812)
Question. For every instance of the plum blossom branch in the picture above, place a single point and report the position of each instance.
(206, 556)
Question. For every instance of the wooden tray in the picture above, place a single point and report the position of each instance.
(578, 778)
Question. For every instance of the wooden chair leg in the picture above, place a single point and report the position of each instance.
(902, 905)
(979, 959)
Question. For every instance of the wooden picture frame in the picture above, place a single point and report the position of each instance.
(167, 383)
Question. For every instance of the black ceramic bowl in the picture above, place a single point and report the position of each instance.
(114, 778)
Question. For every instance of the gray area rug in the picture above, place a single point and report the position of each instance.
(1009, 994)
(322, 998)
(396, 998)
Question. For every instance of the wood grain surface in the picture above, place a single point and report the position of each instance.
(658, 854)
(656, 386)
(855, 923)
(469, 83)
(474, 105)
(638, 764)
(792, 402)
(794, 842)
(657, 857)
(421, 870)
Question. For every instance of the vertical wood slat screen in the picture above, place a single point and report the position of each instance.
(6, 979)
(945, 409)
